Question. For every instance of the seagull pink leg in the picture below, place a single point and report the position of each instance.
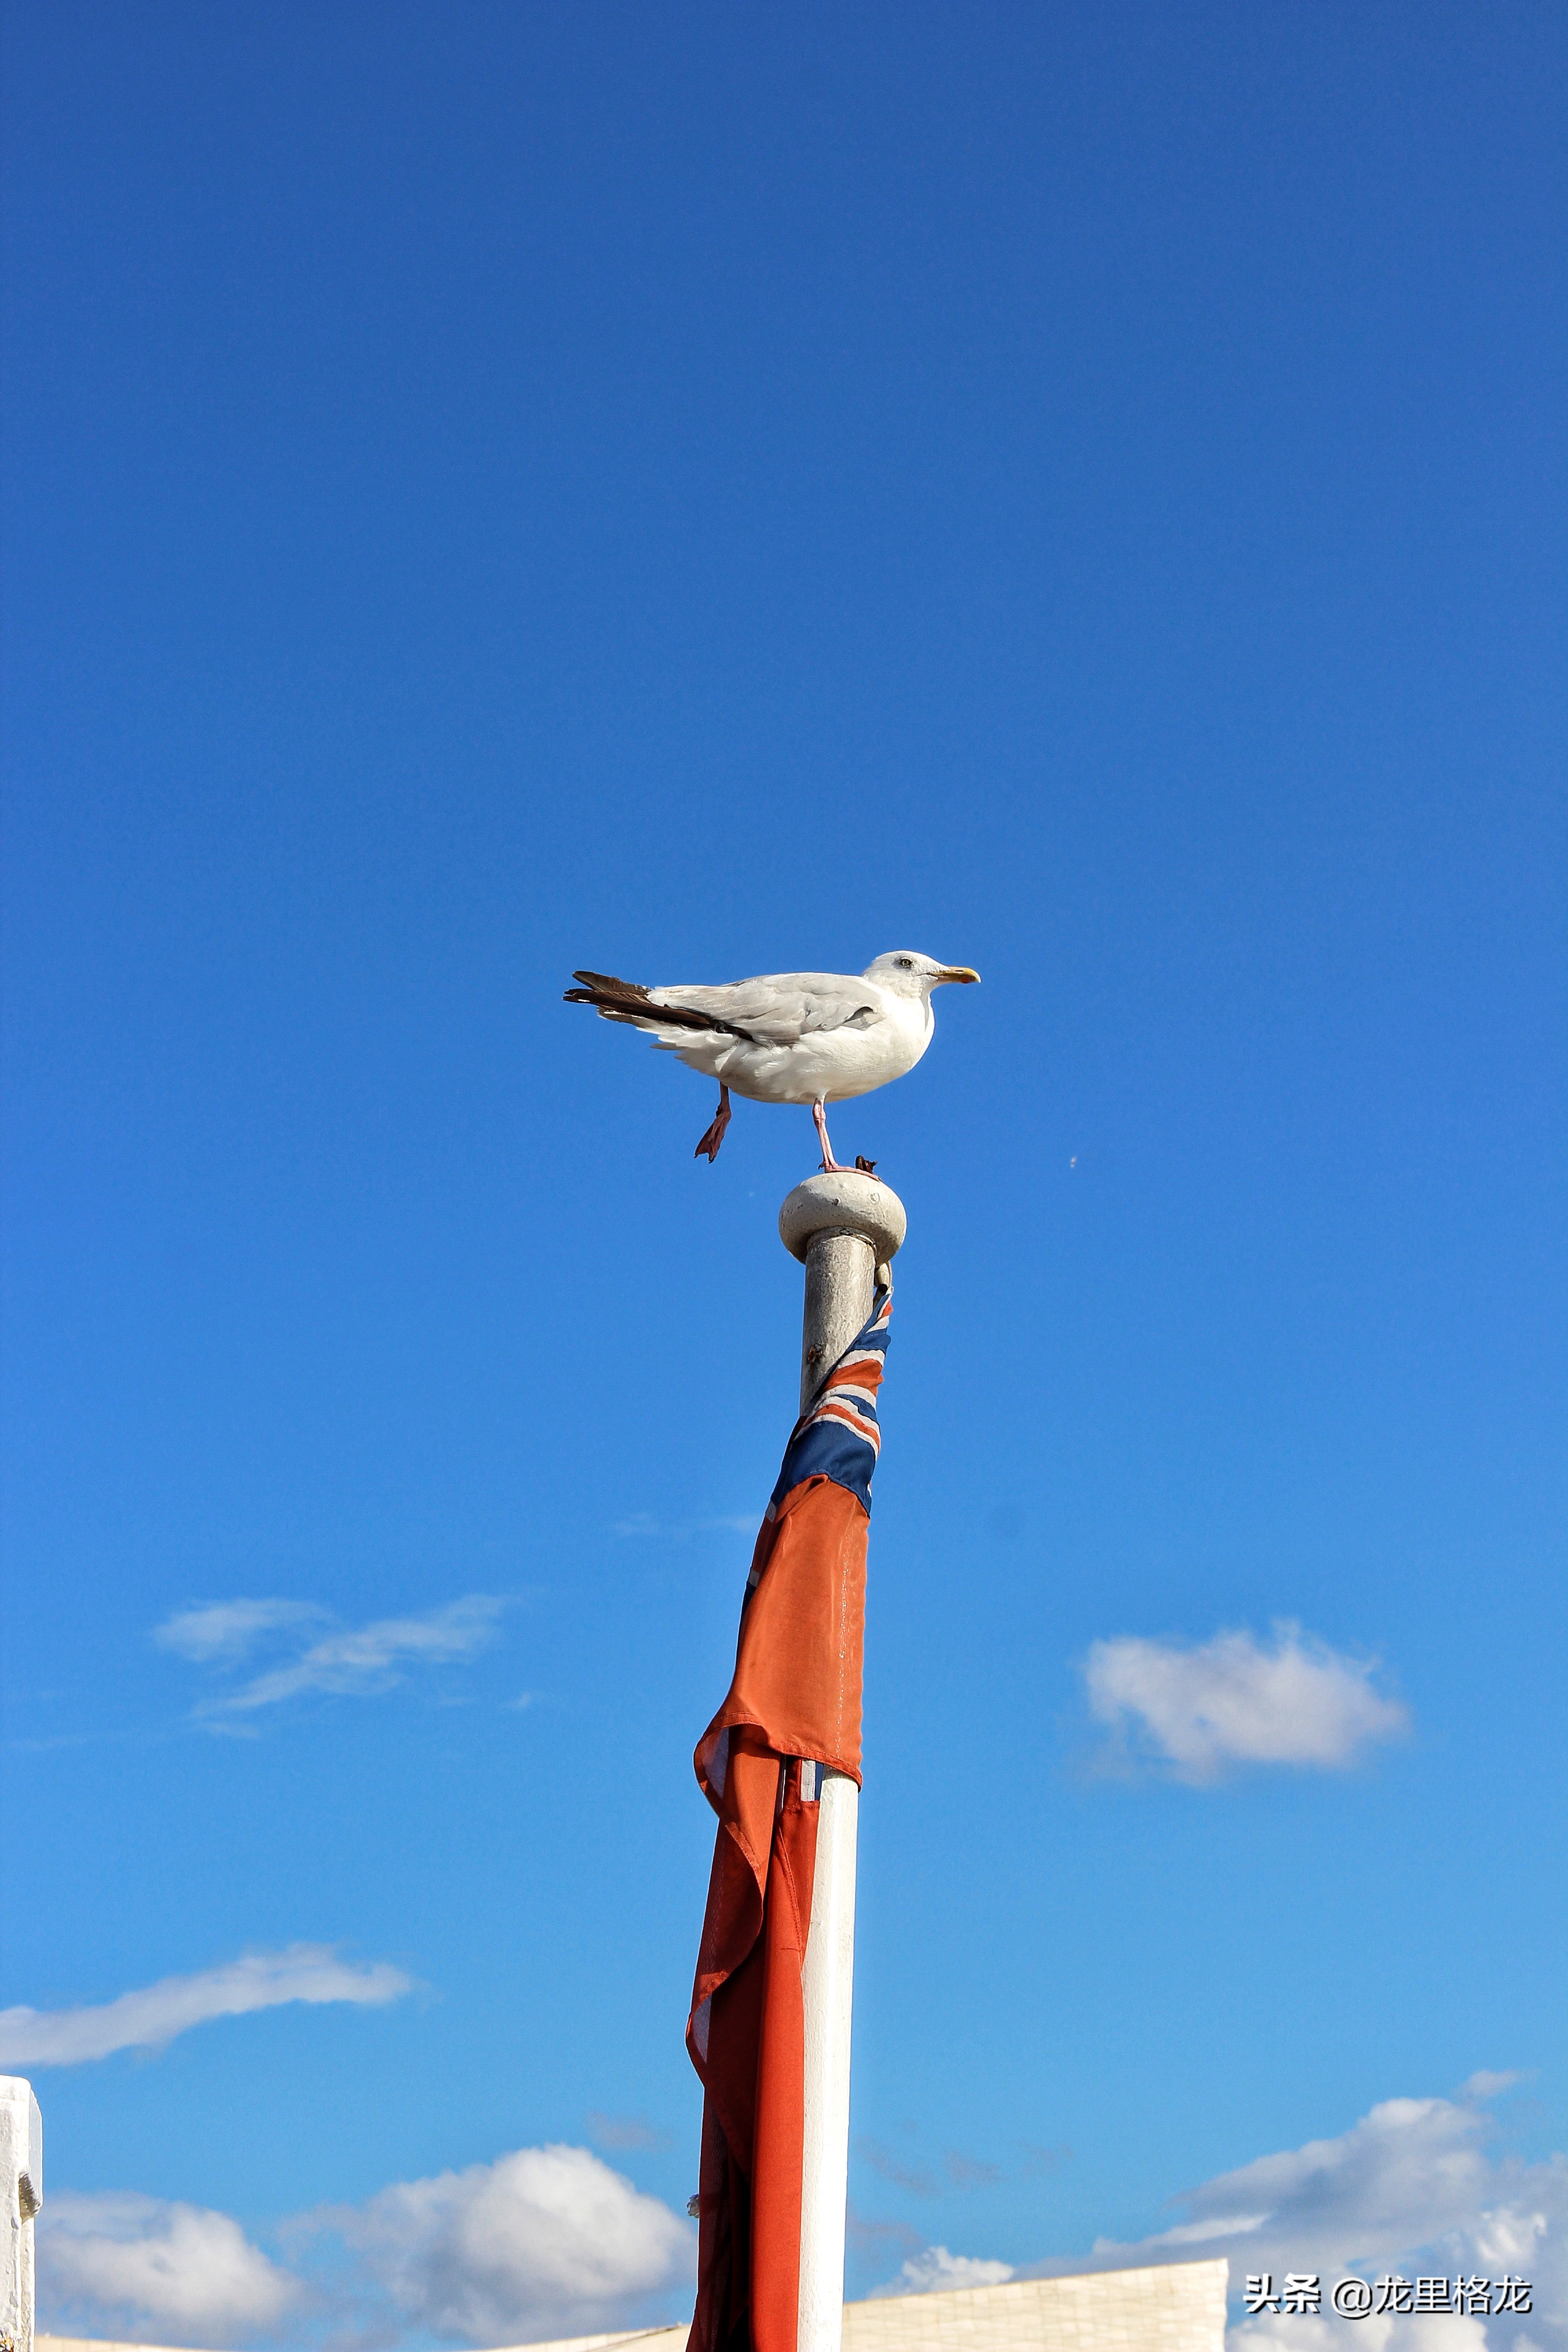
(830, 1167)
(715, 1134)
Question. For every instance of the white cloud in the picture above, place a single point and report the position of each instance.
(346, 1662)
(552, 2241)
(1410, 2172)
(1235, 1700)
(153, 2015)
(1411, 2187)
(546, 2240)
(134, 2266)
(931, 2270)
(227, 1628)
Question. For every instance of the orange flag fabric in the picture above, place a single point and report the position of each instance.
(793, 1708)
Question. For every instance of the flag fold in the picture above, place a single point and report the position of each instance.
(794, 1700)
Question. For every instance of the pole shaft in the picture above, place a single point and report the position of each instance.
(840, 1279)
(827, 1985)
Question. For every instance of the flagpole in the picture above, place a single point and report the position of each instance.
(846, 1229)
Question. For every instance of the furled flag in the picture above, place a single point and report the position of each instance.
(793, 1708)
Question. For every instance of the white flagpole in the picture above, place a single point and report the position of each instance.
(845, 1228)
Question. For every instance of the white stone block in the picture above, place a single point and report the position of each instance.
(22, 2188)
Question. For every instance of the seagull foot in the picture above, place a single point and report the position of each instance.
(714, 1135)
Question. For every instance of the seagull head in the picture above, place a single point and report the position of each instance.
(902, 972)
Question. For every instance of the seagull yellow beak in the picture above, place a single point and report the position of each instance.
(956, 971)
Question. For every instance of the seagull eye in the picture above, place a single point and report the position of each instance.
(906, 963)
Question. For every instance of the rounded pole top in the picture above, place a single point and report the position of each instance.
(849, 1203)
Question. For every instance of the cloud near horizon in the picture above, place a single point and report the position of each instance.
(552, 2241)
(933, 2271)
(1203, 1710)
(123, 2263)
(545, 2242)
(152, 2016)
(339, 1662)
(1410, 2188)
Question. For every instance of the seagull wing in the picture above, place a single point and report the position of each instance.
(777, 1010)
(782, 1008)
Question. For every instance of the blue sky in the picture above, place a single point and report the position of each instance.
(491, 490)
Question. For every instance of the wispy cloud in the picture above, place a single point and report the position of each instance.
(155, 2015)
(359, 1662)
(970, 2171)
(231, 1629)
(916, 2177)
(624, 2132)
(339, 1662)
(1201, 1711)
(134, 2265)
(873, 2238)
(645, 1524)
(1484, 2085)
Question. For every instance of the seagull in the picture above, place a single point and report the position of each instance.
(811, 1037)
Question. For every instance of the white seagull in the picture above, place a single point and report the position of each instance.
(811, 1037)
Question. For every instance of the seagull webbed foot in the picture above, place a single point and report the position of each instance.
(714, 1135)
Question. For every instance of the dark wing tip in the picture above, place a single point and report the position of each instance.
(626, 997)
